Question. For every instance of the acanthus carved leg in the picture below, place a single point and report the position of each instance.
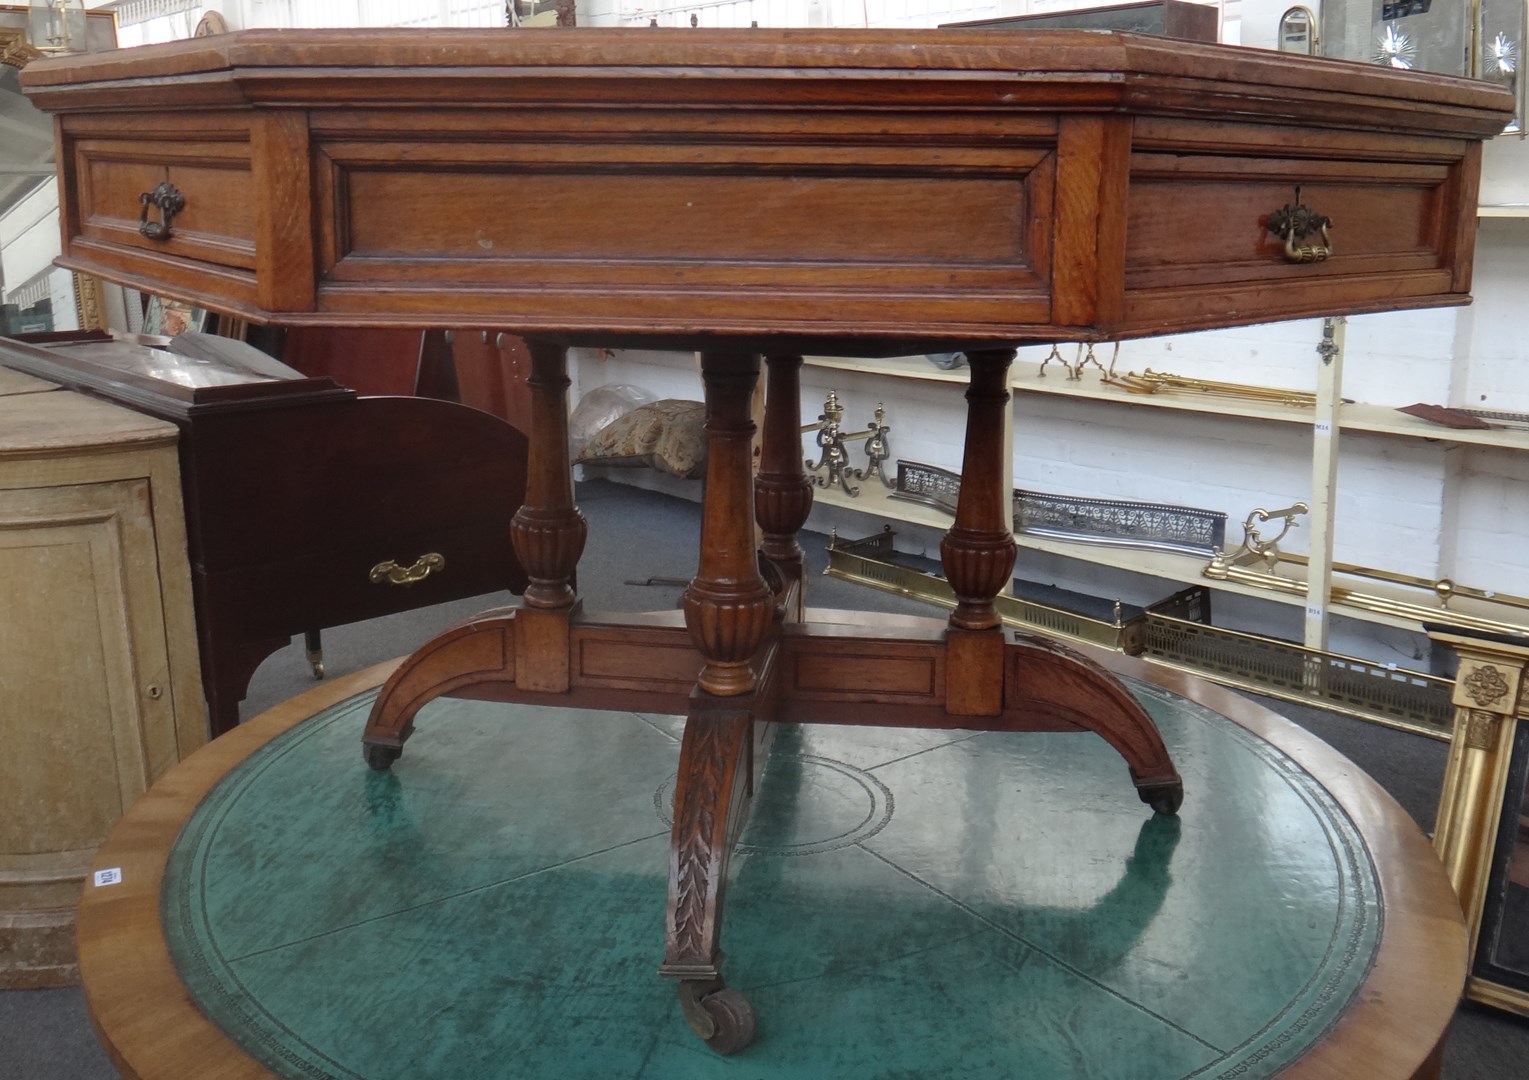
(709, 801)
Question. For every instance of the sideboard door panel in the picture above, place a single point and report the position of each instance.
(88, 715)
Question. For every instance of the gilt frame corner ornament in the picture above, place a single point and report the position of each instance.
(15, 50)
(1485, 687)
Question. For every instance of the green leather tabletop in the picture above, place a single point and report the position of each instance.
(905, 904)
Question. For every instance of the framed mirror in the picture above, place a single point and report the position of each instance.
(36, 296)
(1298, 31)
(1500, 973)
(1482, 833)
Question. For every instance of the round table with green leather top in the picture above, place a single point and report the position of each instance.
(284, 911)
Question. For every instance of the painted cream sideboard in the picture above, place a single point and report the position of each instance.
(99, 687)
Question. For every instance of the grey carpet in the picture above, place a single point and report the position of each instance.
(635, 536)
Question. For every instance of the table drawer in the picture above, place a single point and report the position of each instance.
(206, 231)
(214, 224)
(1199, 241)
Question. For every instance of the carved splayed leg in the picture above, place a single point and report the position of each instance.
(1051, 685)
(708, 808)
(529, 645)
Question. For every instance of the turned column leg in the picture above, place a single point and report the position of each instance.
(548, 531)
(782, 492)
(978, 551)
(727, 605)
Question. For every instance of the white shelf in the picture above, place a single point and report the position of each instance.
(1504, 210)
(1375, 419)
(896, 367)
(1025, 378)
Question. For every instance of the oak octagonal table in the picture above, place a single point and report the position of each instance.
(755, 195)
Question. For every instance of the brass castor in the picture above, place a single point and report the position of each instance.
(1165, 796)
(722, 1018)
(380, 757)
(313, 643)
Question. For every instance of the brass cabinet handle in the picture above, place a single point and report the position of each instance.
(168, 198)
(1293, 222)
(390, 572)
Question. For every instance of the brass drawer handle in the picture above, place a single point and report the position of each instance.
(1293, 222)
(394, 574)
(168, 198)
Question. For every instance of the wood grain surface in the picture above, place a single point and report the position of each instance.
(868, 192)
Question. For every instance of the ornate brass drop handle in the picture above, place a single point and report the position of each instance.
(1293, 222)
(168, 198)
(390, 572)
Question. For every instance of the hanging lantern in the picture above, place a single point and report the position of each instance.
(56, 26)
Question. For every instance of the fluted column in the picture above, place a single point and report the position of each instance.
(548, 531)
(727, 605)
(978, 551)
(782, 492)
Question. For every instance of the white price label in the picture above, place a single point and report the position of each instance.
(109, 877)
(1315, 611)
(1322, 427)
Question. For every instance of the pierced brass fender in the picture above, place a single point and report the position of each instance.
(390, 572)
(1293, 222)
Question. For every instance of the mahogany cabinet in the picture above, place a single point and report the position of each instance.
(297, 489)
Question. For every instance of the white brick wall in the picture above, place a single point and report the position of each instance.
(1496, 328)
(1491, 531)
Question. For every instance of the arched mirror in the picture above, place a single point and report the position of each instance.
(35, 295)
(1298, 31)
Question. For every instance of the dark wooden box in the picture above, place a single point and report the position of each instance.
(296, 488)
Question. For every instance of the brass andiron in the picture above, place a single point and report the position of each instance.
(1085, 356)
(832, 466)
(1254, 547)
(1054, 354)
